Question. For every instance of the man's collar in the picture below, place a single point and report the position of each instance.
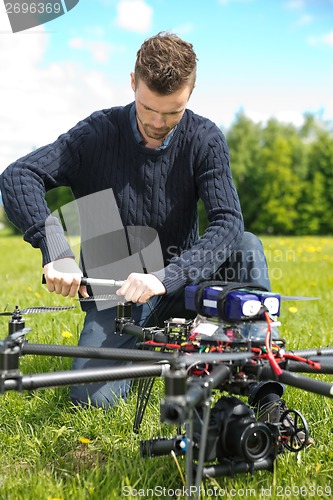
(137, 135)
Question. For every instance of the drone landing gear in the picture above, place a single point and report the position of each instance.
(144, 390)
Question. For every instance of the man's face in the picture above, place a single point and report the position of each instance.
(157, 114)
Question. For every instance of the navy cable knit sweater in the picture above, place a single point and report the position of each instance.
(152, 187)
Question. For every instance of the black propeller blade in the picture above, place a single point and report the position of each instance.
(35, 310)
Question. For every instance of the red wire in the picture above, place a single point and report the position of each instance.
(272, 361)
(268, 355)
(313, 364)
(161, 344)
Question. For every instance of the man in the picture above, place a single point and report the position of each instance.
(158, 157)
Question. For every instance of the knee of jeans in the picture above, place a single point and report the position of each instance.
(104, 395)
(251, 242)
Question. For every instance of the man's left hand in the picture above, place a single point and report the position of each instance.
(141, 287)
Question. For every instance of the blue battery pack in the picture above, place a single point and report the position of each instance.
(238, 304)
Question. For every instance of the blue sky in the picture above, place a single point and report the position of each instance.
(267, 57)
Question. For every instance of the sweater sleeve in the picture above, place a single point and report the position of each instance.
(24, 184)
(225, 229)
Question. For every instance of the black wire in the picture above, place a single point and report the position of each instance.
(153, 312)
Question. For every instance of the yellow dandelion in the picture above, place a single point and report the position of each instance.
(293, 309)
(37, 295)
(67, 335)
(29, 288)
(84, 440)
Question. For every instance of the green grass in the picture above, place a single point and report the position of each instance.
(49, 450)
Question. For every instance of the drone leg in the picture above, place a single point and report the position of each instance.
(202, 447)
(144, 390)
(189, 453)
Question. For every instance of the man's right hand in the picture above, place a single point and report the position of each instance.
(63, 277)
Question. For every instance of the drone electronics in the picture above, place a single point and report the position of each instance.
(214, 353)
(231, 305)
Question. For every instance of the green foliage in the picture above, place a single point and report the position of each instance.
(5, 223)
(203, 221)
(278, 186)
(58, 197)
(49, 450)
(244, 139)
(318, 190)
(284, 176)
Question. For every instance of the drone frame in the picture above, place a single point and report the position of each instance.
(149, 364)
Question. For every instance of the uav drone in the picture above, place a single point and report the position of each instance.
(199, 359)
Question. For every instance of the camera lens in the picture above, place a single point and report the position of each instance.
(256, 442)
(162, 446)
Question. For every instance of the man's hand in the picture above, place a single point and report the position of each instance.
(140, 287)
(63, 277)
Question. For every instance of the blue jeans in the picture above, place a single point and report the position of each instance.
(99, 331)
(246, 265)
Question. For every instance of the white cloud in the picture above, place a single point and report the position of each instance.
(285, 116)
(326, 39)
(134, 15)
(226, 2)
(38, 101)
(76, 43)
(304, 20)
(99, 51)
(295, 4)
(287, 104)
(183, 29)
(95, 30)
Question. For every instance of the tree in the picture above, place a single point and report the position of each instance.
(280, 188)
(317, 199)
(269, 167)
(244, 139)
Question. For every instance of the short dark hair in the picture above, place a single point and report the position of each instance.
(166, 63)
